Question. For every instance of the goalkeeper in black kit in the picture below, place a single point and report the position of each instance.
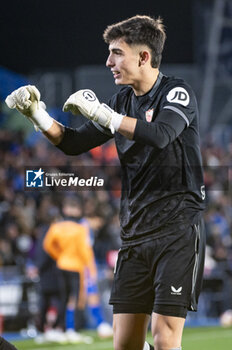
(154, 120)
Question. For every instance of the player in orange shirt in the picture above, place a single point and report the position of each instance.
(68, 243)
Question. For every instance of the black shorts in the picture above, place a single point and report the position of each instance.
(166, 271)
(69, 283)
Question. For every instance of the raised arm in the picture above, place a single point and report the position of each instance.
(71, 141)
(167, 126)
(27, 101)
(55, 133)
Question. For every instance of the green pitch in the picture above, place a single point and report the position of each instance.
(214, 338)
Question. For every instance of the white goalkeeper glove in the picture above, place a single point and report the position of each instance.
(86, 103)
(26, 100)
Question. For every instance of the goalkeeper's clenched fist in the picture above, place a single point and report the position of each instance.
(86, 102)
(26, 100)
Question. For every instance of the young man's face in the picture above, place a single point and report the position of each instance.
(123, 60)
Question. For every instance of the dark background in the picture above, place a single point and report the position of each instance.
(49, 34)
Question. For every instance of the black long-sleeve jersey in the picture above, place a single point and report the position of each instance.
(162, 177)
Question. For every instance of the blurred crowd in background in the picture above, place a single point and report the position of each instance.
(26, 215)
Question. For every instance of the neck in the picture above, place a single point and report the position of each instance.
(146, 82)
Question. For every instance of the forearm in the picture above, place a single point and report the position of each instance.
(127, 127)
(78, 141)
(159, 133)
(55, 133)
(164, 130)
(155, 134)
(75, 141)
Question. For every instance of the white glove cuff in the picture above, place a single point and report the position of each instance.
(42, 119)
(116, 120)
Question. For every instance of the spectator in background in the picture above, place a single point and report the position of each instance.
(6, 253)
(67, 242)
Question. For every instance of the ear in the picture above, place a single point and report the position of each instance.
(144, 57)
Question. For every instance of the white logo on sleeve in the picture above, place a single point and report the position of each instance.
(203, 192)
(178, 95)
(175, 291)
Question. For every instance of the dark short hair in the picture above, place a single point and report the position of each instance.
(140, 30)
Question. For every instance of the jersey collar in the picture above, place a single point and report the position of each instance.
(140, 100)
(156, 85)
(150, 94)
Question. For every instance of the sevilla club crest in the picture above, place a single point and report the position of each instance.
(149, 115)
